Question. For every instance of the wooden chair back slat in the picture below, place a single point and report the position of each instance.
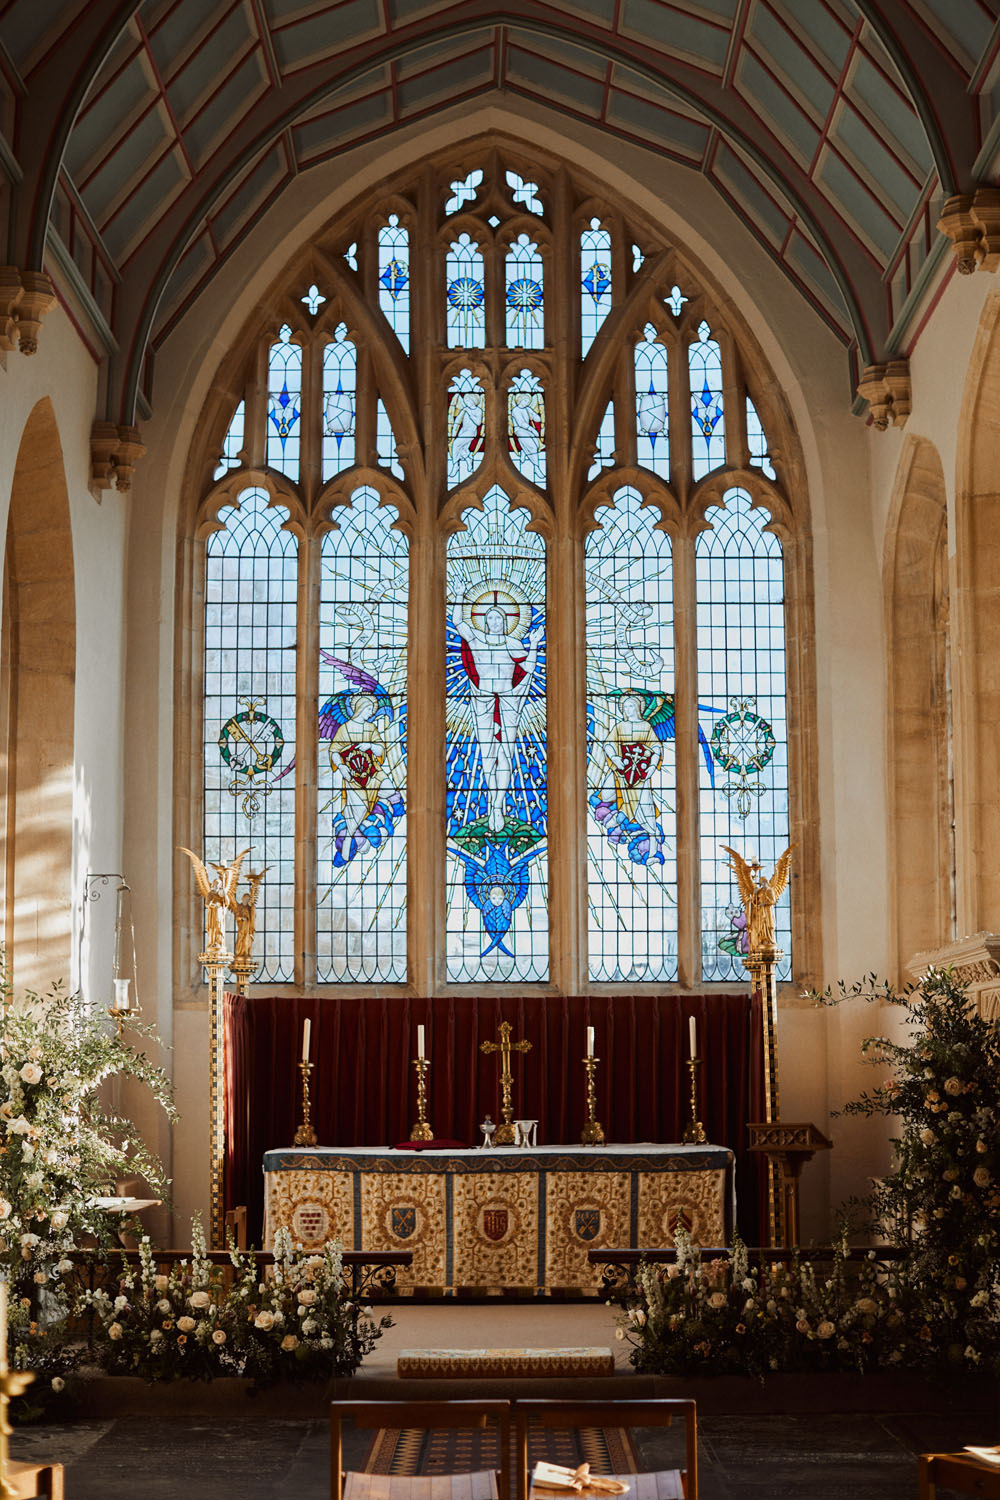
(426, 1416)
(653, 1412)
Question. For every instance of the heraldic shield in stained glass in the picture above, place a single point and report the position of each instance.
(497, 794)
(361, 845)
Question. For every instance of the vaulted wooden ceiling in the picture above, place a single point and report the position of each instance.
(142, 142)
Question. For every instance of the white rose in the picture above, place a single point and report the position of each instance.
(161, 1283)
(34, 1179)
(155, 1335)
(953, 1086)
(5, 1209)
(219, 1336)
(307, 1296)
(64, 1266)
(121, 1303)
(31, 1073)
(29, 1239)
(27, 1151)
(264, 1320)
(115, 1331)
(309, 1326)
(163, 1305)
(717, 1299)
(58, 1384)
(185, 1324)
(289, 1342)
(928, 1137)
(826, 1329)
(60, 1219)
(41, 1277)
(200, 1299)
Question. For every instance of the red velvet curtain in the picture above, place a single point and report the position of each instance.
(364, 1091)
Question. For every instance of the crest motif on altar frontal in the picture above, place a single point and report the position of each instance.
(587, 1223)
(310, 1224)
(494, 1223)
(403, 1221)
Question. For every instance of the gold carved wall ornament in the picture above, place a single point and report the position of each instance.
(972, 223)
(25, 298)
(887, 390)
(114, 453)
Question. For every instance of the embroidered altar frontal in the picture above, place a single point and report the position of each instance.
(506, 1218)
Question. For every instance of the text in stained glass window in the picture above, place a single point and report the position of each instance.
(340, 380)
(394, 278)
(631, 774)
(465, 295)
(361, 790)
(526, 426)
(708, 428)
(741, 707)
(652, 408)
(497, 792)
(463, 191)
(284, 398)
(595, 282)
(232, 446)
(251, 592)
(466, 418)
(525, 295)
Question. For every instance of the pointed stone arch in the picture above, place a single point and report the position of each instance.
(37, 697)
(921, 799)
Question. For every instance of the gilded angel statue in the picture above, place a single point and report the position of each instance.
(245, 913)
(217, 895)
(759, 896)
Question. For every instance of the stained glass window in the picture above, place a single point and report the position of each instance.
(525, 296)
(631, 773)
(351, 255)
(465, 295)
(394, 278)
(757, 442)
(525, 193)
(463, 191)
(741, 705)
(361, 780)
(284, 398)
(595, 282)
(708, 428)
(466, 416)
(251, 588)
(230, 455)
(604, 452)
(637, 258)
(340, 380)
(385, 442)
(497, 794)
(675, 301)
(652, 409)
(526, 426)
(313, 299)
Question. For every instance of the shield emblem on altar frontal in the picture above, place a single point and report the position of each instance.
(496, 1222)
(403, 1222)
(310, 1223)
(587, 1223)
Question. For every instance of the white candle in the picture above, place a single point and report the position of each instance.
(590, 1041)
(122, 999)
(306, 1029)
(420, 1043)
(693, 1036)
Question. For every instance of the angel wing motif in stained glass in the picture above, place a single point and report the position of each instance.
(526, 426)
(284, 387)
(465, 295)
(466, 418)
(708, 428)
(652, 409)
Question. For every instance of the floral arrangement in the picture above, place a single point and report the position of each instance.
(939, 1304)
(293, 1321)
(59, 1148)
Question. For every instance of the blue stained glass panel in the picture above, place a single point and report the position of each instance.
(497, 792)
(340, 381)
(631, 772)
(652, 404)
(526, 426)
(595, 282)
(708, 428)
(284, 400)
(466, 418)
(465, 295)
(741, 704)
(230, 455)
(525, 296)
(251, 593)
(385, 442)
(604, 452)
(394, 278)
(757, 442)
(361, 775)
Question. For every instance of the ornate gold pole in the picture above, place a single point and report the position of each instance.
(592, 1133)
(216, 965)
(694, 1131)
(305, 1135)
(12, 1383)
(421, 1130)
(506, 1135)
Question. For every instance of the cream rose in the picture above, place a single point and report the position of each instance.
(264, 1320)
(717, 1299)
(185, 1324)
(161, 1283)
(200, 1299)
(5, 1209)
(826, 1329)
(31, 1073)
(219, 1336)
(115, 1331)
(60, 1219)
(307, 1296)
(289, 1342)
(981, 1177)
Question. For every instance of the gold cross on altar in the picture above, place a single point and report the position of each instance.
(505, 1132)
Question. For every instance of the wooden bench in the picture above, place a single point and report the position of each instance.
(426, 1416)
(664, 1484)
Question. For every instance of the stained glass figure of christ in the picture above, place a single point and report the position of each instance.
(497, 922)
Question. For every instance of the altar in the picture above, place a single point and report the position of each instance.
(505, 1218)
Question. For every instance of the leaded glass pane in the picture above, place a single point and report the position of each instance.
(361, 778)
(525, 296)
(741, 706)
(652, 410)
(465, 295)
(313, 299)
(351, 255)
(463, 191)
(284, 399)
(525, 193)
(631, 776)
(230, 456)
(708, 428)
(340, 380)
(637, 258)
(595, 282)
(394, 278)
(526, 426)
(757, 442)
(385, 442)
(466, 416)
(604, 452)
(676, 300)
(251, 587)
(497, 793)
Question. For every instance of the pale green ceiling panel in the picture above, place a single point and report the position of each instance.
(856, 203)
(763, 93)
(801, 72)
(859, 138)
(543, 77)
(675, 31)
(689, 137)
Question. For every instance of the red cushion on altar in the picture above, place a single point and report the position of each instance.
(435, 1145)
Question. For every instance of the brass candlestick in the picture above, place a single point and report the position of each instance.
(592, 1133)
(694, 1133)
(421, 1130)
(305, 1135)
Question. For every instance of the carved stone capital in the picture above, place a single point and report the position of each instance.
(887, 390)
(114, 453)
(11, 292)
(976, 964)
(38, 297)
(972, 223)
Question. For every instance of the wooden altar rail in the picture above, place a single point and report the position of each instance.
(619, 1265)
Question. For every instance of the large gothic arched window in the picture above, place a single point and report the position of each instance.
(490, 644)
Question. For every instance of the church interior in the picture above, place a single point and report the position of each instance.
(359, 360)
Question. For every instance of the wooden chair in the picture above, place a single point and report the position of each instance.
(667, 1484)
(428, 1416)
(31, 1480)
(958, 1472)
